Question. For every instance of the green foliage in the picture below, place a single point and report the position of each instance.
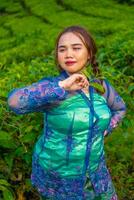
(5, 187)
(28, 30)
(130, 2)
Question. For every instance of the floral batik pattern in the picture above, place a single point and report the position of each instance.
(116, 105)
(51, 185)
(37, 97)
(102, 182)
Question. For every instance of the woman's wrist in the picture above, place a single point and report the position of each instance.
(62, 84)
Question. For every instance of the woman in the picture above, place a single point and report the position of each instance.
(70, 152)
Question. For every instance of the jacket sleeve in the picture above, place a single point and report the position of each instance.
(36, 97)
(116, 105)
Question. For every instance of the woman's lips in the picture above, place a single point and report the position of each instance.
(70, 62)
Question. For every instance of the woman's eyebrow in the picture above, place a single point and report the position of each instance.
(61, 46)
(75, 44)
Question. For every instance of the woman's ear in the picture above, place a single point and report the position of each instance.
(88, 62)
(89, 56)
(88, 59)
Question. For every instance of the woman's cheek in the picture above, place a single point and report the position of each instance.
(60, 58)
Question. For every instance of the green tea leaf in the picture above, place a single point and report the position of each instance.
(6, 140)
(4, 182)
(7, 194)
(29, 137)
(98, 86)
(85, 72)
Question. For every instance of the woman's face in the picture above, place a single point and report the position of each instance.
(72, 53)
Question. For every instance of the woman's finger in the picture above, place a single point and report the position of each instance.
(105, 133)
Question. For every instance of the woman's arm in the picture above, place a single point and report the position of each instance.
(36, 97)
(116, 105)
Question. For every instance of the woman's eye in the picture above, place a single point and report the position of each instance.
(61, 50)
(77, 48)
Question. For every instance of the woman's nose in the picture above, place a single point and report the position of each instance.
(69, 53)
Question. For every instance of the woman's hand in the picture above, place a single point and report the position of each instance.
(105, 132)
(74, 82)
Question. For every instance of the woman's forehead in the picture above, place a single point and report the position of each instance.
(69, 38)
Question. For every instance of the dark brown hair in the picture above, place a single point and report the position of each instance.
(87, 40)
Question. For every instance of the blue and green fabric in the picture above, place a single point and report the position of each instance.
(69, 159)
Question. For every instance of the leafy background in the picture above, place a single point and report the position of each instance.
(28, 29)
